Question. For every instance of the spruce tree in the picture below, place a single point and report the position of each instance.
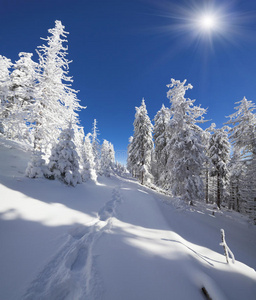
(96, 145)
(243, 139)
(22, 97)
(88, 162)
(141, 147)
(64, 161)
(107, 158)
(219, 154)
(5, 82)
(185, 146)
(161, 137)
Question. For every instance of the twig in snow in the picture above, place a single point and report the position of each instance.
(227, 251)
(205, 292)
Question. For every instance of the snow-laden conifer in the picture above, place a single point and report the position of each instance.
(96, 145)
(219, 154)
(243, 139)
(107, 158)
(131, 163)
(64, 161)
(36, 166)
(5, 82)
(87, 158)
(161, 136)
(207, 164)
(185, 145)
(56, 101)
(141, 147)
(22, 97)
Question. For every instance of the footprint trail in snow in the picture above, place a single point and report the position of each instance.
(71, 274)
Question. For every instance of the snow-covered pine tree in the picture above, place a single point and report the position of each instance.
(5, 65)
(21, 97)
(88, 162)
(131, 163)
(55, 100)
(237, 170)
(219, 154)
(243, 139)
(141, 147)
(64, 161)
(207, 182)
(54, 92)
(96, 145)
(36, 166)
(107, 158)
(185, 145)
(161, 136)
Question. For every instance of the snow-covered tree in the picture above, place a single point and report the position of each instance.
(96, 145)
(36, 167)
(161, 136)
(56, 100)
(237, 171)
(185, 145)
(21, 97)
(207, 180)
(64, 161)
(219, 154)
(243, 139)
(130, 157)
(107, 158)
(5, 65)
(88, 162)
(243, 132)
(141, 146)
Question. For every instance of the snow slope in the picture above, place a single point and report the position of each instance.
(114, 240)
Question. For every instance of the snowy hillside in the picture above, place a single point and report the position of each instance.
(114, 240)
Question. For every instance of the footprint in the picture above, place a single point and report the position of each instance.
(107, 211)
(80, 259)
(79, 232)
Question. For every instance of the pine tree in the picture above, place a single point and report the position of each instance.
(5, 65)
(131, 163)
(207, 182)
(107, 158)
(64, 161)
(22, 97)
(161, 137)
(56, 101)
(96, 145)
(237, 169)
(219, 154)
(243, 139)
(185, 146)
(88, 162)
(141, 147)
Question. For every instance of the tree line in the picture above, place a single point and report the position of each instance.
(215, 165)
(39, 106)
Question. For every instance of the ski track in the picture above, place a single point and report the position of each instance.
(71, 273)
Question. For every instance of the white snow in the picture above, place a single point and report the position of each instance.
(114, 240)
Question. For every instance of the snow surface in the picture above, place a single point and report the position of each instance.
(114, 240)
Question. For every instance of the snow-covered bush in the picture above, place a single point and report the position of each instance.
(36, 165)
(64, 161)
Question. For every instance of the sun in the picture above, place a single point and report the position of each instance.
(208, 22)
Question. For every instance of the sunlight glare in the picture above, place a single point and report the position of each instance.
(208, 22)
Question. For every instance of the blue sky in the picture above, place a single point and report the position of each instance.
(123, 51)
